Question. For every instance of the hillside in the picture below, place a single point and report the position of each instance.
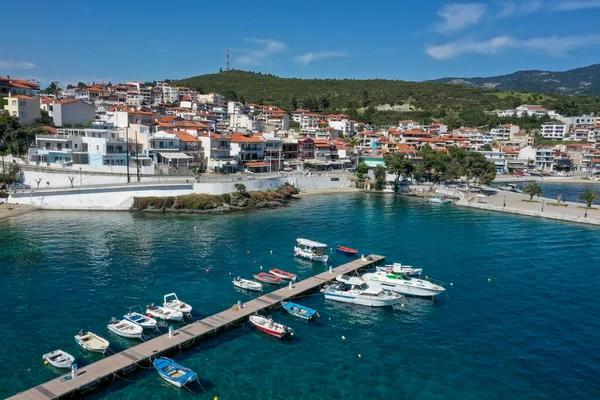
(579, 81)
(361, 98)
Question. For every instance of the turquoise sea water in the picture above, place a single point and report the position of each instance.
(530, 332)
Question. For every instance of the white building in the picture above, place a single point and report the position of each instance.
(498, 157)
(243, 122)
(408, 125)
(584, 120)
(553, 130)
(233, 107)
(309, 123)
(544, 159)
(531, 111)
(72, 112)
(504, 132)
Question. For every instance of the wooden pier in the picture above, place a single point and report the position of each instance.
(91, 376)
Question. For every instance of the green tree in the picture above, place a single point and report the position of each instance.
(240, 187)
(398, 164)
(588, 197)
(487, 147)
(51, 89)
(478, 168)
(533, 189)
(361, 170)
(69, 86)
(45, 118)
(81, 85)
(379, 177)
(10, 174)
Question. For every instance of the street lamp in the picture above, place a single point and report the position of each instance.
(80, 179)
(504, 205)
(543, 205)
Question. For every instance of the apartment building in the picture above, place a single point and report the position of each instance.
(26, 108)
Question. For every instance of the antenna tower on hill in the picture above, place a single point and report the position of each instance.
(227, 61)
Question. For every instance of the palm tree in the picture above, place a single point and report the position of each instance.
(589, 196)
(533, 189)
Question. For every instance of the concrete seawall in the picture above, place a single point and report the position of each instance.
(119, 197)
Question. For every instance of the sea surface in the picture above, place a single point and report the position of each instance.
(521, 320)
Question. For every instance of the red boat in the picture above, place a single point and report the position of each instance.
(283, 274)
(267, 278)
(268, 326)
(346, 250)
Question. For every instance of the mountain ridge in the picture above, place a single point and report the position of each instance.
(576, 81)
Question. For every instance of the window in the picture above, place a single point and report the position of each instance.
(97, 147)
(21, 104)
(23, 114)
(14, 102)
(47, 145)
(14, 113)
(75, 145)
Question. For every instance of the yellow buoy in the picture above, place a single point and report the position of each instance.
(426, 277)
(45, 362)
(216, 398)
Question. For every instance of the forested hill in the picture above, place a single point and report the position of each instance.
(416, 100)
(579, 81)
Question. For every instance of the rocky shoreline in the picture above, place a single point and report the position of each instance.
(211, 204)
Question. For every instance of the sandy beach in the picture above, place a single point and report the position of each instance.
(12, 210)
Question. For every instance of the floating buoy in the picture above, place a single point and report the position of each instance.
(359, 356)
(207, 270)
(248, 251)
(261, 267)
(426, 277)
(343, 337)
(451, 284)
(271, 251)
(489, 279)
(216, 398)
(230, 273)
(254, 261)
(402, 305)
(45, 362)
(331, 249)
(28, 369)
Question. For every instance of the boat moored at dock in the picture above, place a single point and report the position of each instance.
(283, 274)
(125, 329)
(268, 278)
(91, 342)
(270, 327)
(247, 284)
(298, 310)
(439, 200)
(173, 372)
(346, 250)
(172, 302)
(141, 320)
(59, 359)
(312, 250)
(355, 290)
(401, 283)
(166, 314)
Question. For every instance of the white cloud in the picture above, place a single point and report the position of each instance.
(553, 45)
(307, 58)
(519, 8)
(17, 64)
(264, 48)
(571, 5)
(456, 17)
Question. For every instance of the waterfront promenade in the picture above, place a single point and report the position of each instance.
(127, 361)
(515, 203)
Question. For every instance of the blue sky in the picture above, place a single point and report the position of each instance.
(72, 41)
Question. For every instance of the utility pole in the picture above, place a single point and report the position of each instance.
(127, 140)
(137, 157)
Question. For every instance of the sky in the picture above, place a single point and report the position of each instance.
(71, 41)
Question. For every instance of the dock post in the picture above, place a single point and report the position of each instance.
(73, 371)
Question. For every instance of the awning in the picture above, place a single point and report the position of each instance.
(256, 164)
(175, 156)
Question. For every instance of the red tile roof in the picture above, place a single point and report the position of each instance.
(240, 138)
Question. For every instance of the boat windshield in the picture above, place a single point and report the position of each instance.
(362, 287)
(398, 276)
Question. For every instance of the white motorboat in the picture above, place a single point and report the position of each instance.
(355, 290)
(314, 251)
(171, 301)
(163, 313)
(401, 283)
(439, 200)
(141, 320)
(125, 328)
(247, 284)
(91, 342)
(59, 359)
(398, 267)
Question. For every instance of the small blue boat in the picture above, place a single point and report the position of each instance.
(174, 373)
(298, 310)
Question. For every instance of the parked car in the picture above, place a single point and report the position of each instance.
(351, 169)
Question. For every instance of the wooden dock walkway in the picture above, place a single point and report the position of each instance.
(127, 361)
